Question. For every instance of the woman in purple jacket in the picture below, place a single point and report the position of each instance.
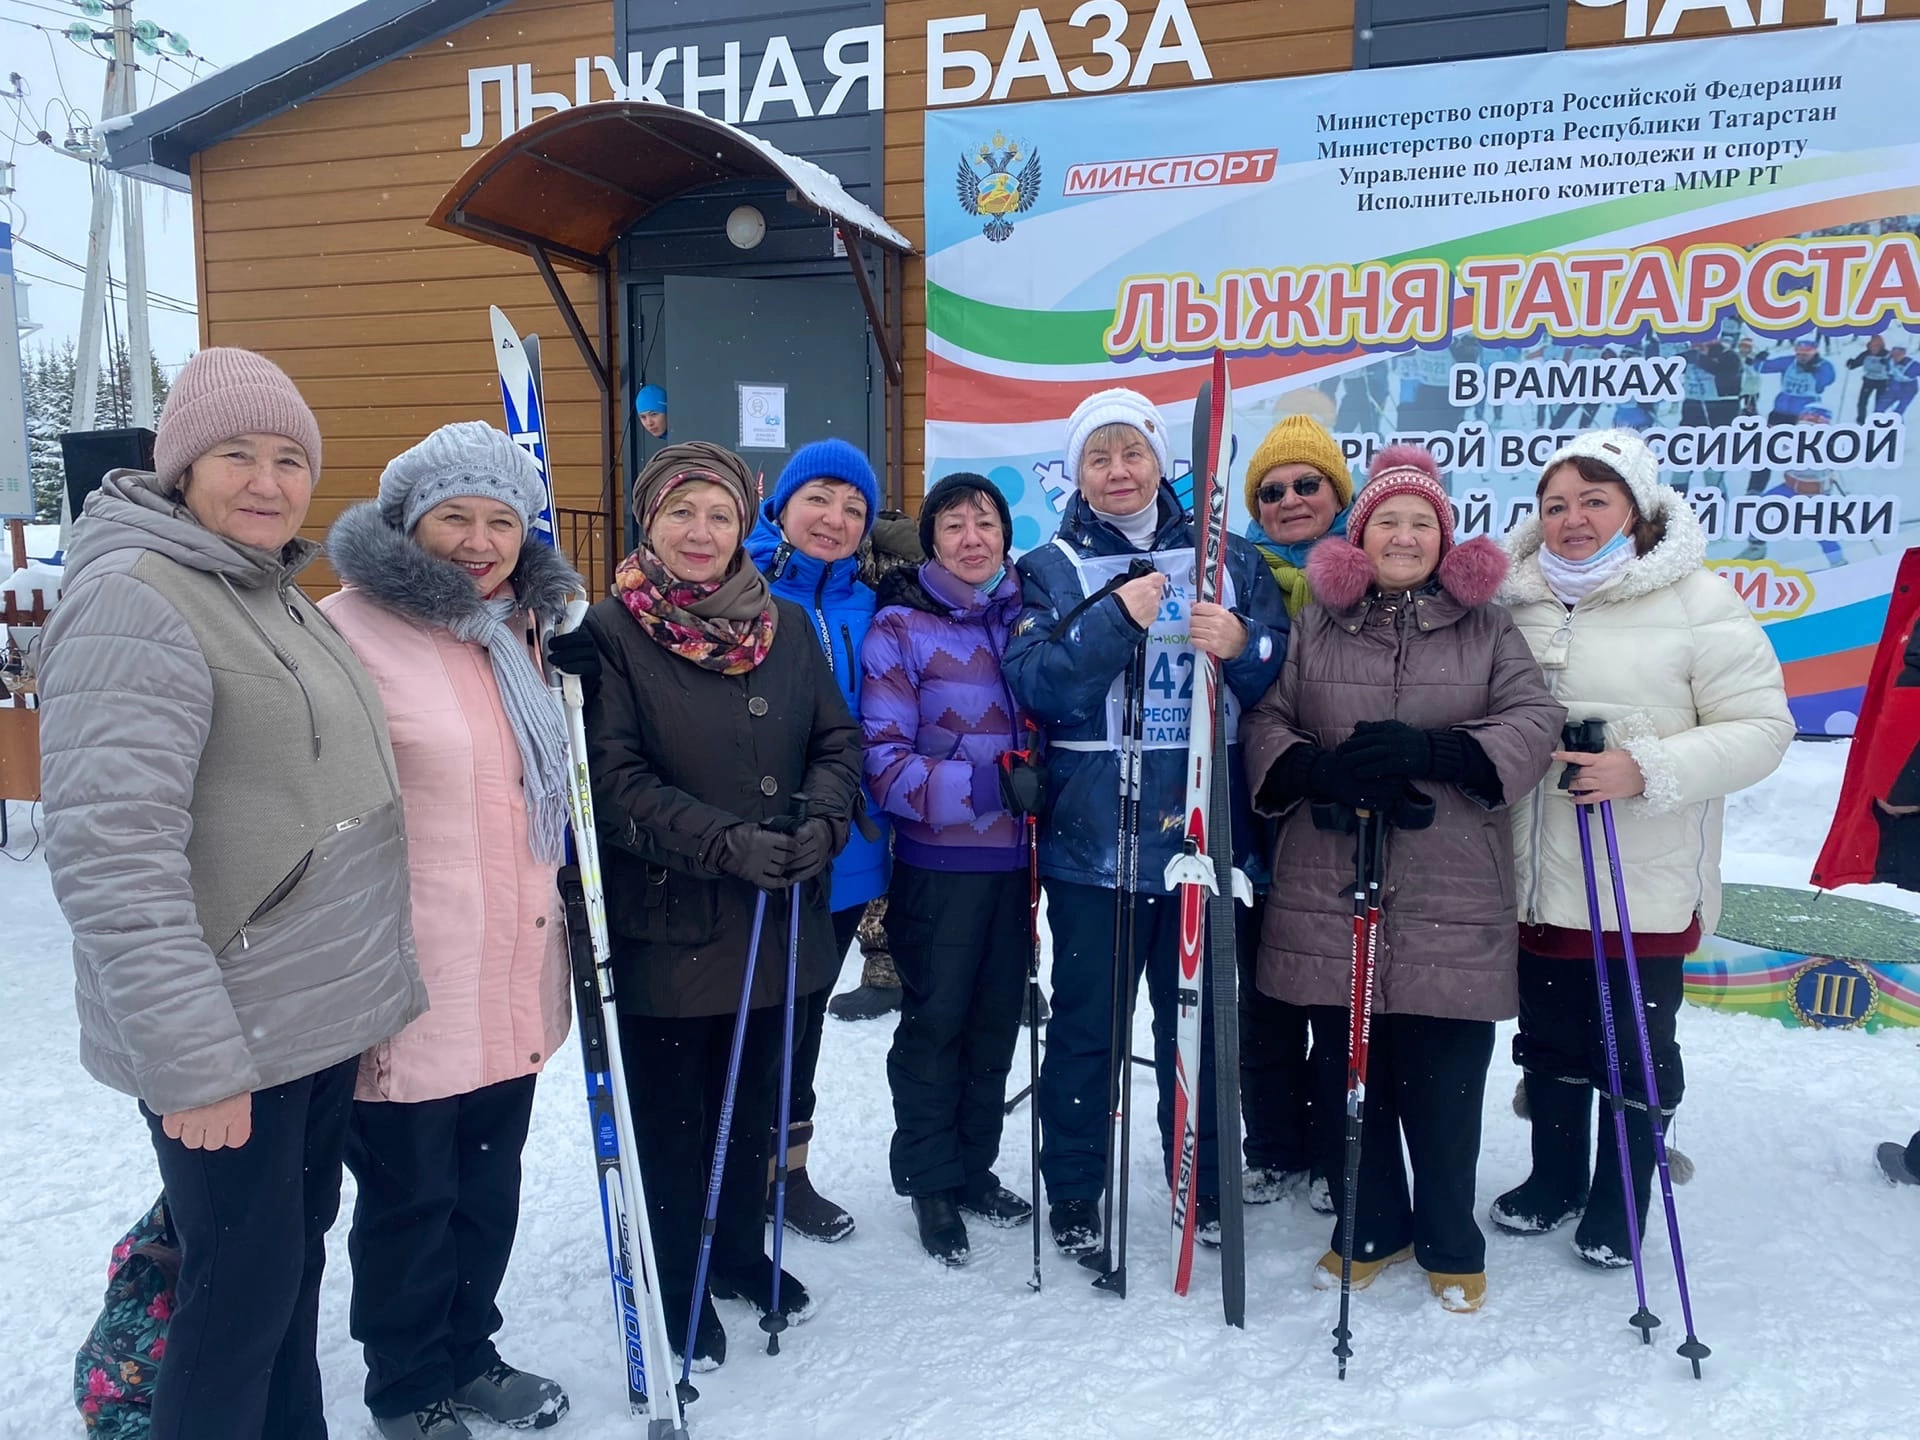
(938, 717)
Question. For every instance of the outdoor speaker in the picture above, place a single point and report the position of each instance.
(90, 455)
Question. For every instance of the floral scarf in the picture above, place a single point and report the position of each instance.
(722, 625)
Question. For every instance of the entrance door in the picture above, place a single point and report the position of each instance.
(796, 352)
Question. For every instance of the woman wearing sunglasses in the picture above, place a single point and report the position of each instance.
(1299, 491)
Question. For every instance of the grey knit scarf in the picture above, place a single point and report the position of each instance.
(398, 575)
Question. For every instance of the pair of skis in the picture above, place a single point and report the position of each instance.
(1203, 874)
(639, 1313)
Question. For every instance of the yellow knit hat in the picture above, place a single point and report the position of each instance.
(1299, 438)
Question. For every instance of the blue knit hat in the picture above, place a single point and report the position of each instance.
(650, 397)
(827, 460)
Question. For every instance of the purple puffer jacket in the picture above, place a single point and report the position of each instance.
(937, 715)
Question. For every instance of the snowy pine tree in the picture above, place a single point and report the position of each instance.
(47, 372)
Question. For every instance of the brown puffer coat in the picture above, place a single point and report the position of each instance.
(1440, 658)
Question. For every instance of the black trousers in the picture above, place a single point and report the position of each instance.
(1426, 1078)
(1560, 1035)
(240, 1361)
(961, 944)
(433, 1227)
(1073, 1076)
(1276, 1085)
(810, 1017)
(676, 1078)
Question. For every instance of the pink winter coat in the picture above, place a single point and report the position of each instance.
(486, 913)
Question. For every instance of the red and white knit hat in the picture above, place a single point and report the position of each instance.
(1402, 470)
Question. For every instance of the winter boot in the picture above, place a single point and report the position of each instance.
(1320, 1195)
(709, 1335)
(1263, 1184)
(1556, 1191)
(994, 1203)
(879, 992)
(1462, 1294)
(809, 1213)
(514, 1398)
(753, 1283)
(1206, 1221)
(1075, 1225)
(1602, 1240)
(1897, 1161)
(431, 1422)
(1326, 1274)
(869, 1002)
(943, 1234)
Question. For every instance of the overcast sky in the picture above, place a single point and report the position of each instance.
(51, 200)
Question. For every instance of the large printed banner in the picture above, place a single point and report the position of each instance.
(1710, 241)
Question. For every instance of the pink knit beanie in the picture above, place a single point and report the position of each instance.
(1402, 470)
(221, 393)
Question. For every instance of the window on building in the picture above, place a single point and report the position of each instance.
(1414, 32)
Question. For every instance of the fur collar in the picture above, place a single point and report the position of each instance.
(398, 575)
(1681, 550)
(1340, 574)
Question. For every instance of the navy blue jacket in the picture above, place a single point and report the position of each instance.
(1062, 680)
(841, 609)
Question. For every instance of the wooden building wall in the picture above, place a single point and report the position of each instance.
(1244, 40)
(314, 249)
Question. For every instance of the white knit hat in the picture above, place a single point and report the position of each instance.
(468, 457)
(1116, 407)
(1627, 455)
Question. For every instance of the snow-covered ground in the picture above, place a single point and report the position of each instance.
(1804, 1262)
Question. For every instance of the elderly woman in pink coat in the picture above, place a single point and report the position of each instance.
(441, 590)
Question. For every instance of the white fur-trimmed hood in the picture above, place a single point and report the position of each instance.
(1681, 550)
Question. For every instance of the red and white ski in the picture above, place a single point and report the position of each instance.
(1206, 856)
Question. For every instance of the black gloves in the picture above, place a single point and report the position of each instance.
(1308, 772)
(757, 855)
(1329, 776)
(813, 851)
(1388, 750)
(1023, 782)
(770, 859)
(575, 653)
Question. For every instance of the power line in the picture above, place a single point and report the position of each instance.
(158, 303)
(76, 265)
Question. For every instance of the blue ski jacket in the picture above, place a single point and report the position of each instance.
(841, 609)
(1070, 683)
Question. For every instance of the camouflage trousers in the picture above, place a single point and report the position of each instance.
(876, 960)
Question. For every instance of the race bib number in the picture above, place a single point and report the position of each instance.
(1172, 663)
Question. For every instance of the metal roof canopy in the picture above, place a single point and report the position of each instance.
(566, 188)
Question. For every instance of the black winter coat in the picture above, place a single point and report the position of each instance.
(679, 754)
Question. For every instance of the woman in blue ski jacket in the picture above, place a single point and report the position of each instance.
(1067, 665)
(806, 541)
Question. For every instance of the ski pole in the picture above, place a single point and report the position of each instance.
(1033, 1030)
(1643, 1319)
(1691, 1348)
(1114, 1276)
(1103, 1261)
(773, 1322)
(623, 1197)
(1369, 845)
(723, 1135)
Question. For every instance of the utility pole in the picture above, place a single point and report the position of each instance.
(133, 226)
(117, 99)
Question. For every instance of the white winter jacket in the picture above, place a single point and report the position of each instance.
(1668, 655)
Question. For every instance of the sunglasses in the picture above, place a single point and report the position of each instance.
(1305, 487)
